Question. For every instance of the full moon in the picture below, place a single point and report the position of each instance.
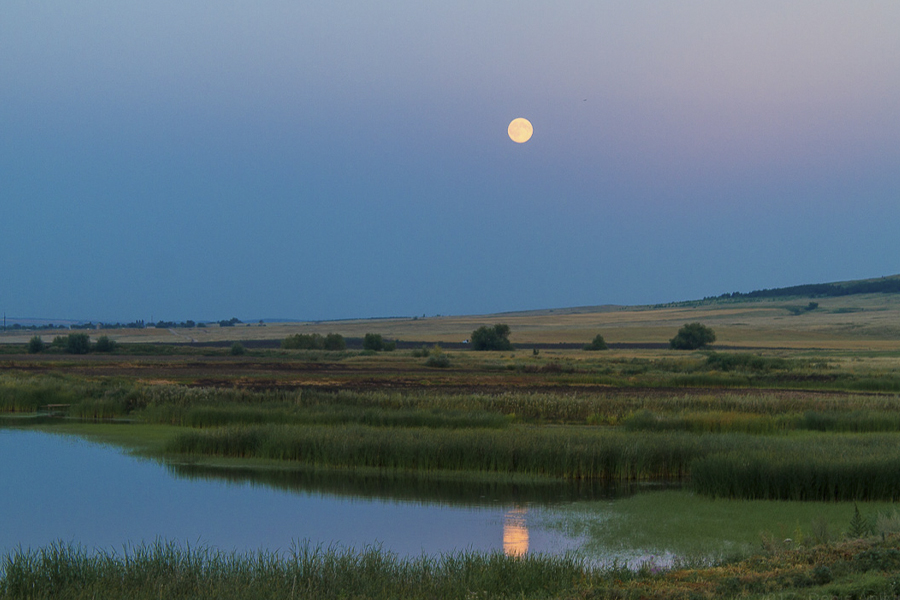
(520, 130)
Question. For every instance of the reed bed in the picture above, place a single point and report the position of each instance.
(811, 467)
(732, 421)
(166, 570)
(561, 453)
(221, 415)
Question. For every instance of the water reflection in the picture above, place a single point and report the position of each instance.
(111, 499)
(515, 532)
(448, 491)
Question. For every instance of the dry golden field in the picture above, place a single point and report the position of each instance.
(858, 322)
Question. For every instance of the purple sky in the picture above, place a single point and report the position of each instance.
(312, 160)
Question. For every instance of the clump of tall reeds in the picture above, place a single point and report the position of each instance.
(562, 453)
(167, 570)
(719, 421)
(829, 468)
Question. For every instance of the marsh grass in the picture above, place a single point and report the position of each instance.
(561, 453)
(740, 444)
(861, 568)
(691, 525)
(810, 467)
(220, 415)
(733, 421)
(167, 570)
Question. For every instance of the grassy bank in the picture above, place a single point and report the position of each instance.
(855, 568)
(172, 572)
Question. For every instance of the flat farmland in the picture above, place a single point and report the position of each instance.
(859, 322)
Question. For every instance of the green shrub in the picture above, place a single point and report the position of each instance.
(692, 336)
(237, 349)
(437, 358)
(104, 344)
(314, 341)
(744, 362)
(334, 341)
(598, 343)
(35, 345)
(302, 341)
(373, 341)
(78, 343)
(492, 338)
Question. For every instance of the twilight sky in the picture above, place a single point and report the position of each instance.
(336, 159)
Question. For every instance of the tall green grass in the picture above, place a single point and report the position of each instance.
(718, 421)
(207, 406)
(166, 570)
(235, 414)
(813, 466)
(810, 467)
(563, 453)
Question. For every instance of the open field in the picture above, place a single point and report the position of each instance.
(858, 322)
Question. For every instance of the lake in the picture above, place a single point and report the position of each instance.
(62, 488)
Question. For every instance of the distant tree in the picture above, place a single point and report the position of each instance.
(59, 341)
(104, 344)
(373, 341)
(303, 341)
(598, 343)
(692, 336)
(35, 345)
(78, 343)
(334, 341)
(237, 349)
(491, 338)
(812, 306)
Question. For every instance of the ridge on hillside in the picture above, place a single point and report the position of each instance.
(880, 285)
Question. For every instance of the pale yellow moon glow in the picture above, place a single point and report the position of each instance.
(520, 130)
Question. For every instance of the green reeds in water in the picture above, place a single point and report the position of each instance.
(166, 570)
(718, 421)
(282, 413)
(573, 453)
(821, 467)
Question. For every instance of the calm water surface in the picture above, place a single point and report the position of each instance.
(60, 488)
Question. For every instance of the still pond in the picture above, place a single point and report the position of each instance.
(62, 488)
